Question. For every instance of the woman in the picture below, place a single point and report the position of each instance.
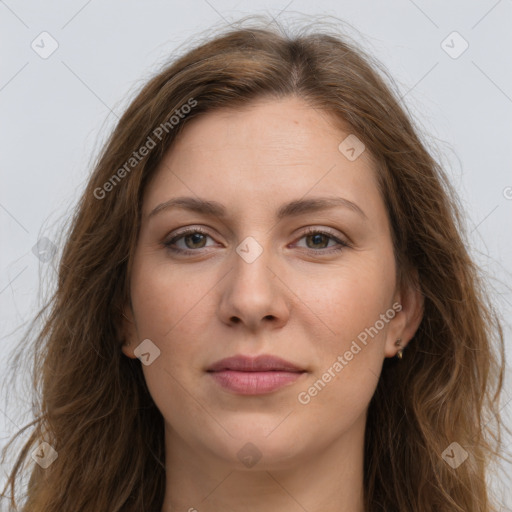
(265, 302)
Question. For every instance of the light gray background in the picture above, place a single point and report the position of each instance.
(56, 112)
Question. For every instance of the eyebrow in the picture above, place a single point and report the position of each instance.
(291, 209)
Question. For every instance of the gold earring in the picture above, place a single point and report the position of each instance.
(401, 351)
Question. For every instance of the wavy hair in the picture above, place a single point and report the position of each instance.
(91, 403)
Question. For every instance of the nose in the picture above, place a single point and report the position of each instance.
(253, 294)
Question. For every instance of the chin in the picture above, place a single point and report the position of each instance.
(266, 445)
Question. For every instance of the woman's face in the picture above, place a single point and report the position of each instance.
(249, 280)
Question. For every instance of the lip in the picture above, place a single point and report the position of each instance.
(247, 375)
(261, 363)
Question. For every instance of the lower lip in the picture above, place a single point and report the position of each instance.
(254, 383)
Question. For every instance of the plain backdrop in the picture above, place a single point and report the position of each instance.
(451, 62)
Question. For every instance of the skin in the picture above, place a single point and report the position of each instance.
(296, 300)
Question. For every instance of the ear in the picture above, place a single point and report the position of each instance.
(406, 322)
(127, 331)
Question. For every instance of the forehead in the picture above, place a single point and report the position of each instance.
(262, 154)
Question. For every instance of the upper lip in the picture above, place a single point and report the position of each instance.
(260, 363)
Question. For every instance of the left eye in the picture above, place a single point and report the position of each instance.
(319, 238)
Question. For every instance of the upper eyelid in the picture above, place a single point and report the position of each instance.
(310, 229)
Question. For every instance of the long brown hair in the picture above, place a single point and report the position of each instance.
(92, 404)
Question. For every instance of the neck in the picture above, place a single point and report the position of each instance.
(329, 479)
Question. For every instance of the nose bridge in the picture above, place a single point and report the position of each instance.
(253, 257)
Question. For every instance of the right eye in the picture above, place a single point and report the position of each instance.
(193, 238)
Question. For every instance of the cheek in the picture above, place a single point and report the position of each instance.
(351, 355)
(347, 300)
(168, 311)
(166, 300)
(167, 306)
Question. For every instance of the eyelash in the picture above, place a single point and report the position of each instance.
(309, 231)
